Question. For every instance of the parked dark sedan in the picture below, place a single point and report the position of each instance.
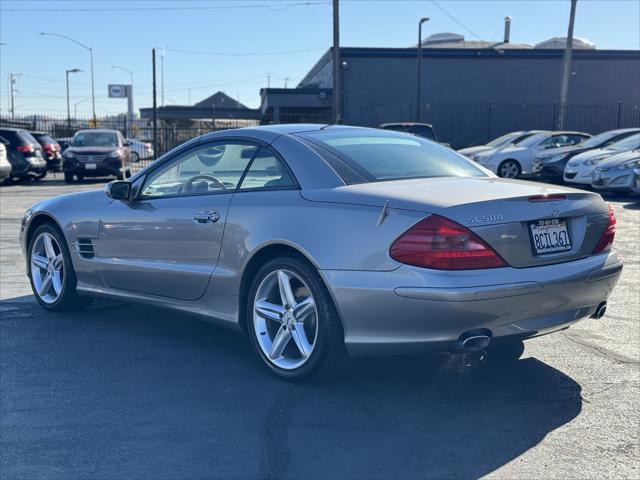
(551, 164)
(97, 153)
(50, 151)
(24, 154)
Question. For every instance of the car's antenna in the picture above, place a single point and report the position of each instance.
(383, 213)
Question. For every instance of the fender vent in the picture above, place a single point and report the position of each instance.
(84, 247)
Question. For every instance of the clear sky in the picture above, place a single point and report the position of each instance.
(243, 42)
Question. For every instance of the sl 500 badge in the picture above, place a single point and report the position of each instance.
(485, 219)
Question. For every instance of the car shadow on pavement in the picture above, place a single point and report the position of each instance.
(123, 391)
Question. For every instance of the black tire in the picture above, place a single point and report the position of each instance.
(68, 177)
(40, 175)
(505, 353)
(69, 298)
(329, 355)
(515, 167)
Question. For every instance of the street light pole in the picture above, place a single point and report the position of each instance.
(80, 44)
(73, 70)
(419, 90)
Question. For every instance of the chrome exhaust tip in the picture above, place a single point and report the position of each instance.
(476, 343)
(600, 310)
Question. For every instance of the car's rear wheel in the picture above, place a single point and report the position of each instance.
(509, 169)
(292, 322)
(51, 273)
(68, 177)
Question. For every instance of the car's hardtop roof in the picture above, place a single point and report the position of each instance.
(405, 124)
(268, 133)
(13, 129)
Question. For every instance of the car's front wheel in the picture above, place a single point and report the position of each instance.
(51, 273)
(292, 322)
(509, 169)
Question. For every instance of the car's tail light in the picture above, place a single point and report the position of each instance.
(607, 236)
(48, 147)
(25, 148)
(440, 243)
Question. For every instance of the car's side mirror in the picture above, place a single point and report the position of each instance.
(119, 190)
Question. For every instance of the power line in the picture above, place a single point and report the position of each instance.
(244, 54)
(443, 10)
(156, 8)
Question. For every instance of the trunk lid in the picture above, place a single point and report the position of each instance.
(498, 210)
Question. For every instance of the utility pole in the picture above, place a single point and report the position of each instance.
(12, 93)
(162, 76)
(566, 68)
(337, 100)
(286, 79)
(155, 105)
(419, 90)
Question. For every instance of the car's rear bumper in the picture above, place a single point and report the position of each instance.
(411, 310)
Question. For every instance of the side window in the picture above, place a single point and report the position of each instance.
(267, 171)
(210, 168)
(576, 139)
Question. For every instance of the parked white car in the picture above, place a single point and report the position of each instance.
(140, 150)
(579, 169)
(512, 138)
(516, 160)
(617, 173)
(5, 166)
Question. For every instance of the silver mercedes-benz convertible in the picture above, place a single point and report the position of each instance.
(321, 242)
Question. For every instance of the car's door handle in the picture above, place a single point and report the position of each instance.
(207, 216)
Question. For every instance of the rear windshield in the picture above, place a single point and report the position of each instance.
(26, 137)
(382, 155)
(44, 138)
(95, 139)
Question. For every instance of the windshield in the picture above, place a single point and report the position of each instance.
(95, 139)
(598, 140)
(629, 143)
(532, 140)
(504, 139)
(382, 155)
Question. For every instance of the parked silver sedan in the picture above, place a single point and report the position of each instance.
(616, 173)
(321, 242)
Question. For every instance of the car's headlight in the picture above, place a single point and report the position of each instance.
(628, 165)
(115, 154)
(593, 161)
(69, 154)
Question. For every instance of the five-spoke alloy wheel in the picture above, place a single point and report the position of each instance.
(47, 268)
(53, 279)
(292, 321)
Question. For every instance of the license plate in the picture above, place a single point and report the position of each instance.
(549, 236)
(90, 166)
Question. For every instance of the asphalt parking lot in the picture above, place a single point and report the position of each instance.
(121, 391)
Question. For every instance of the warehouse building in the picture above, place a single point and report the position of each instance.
(472, 91)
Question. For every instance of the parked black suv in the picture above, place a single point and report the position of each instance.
(24, 153)
(50, 151)
(97, 153)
